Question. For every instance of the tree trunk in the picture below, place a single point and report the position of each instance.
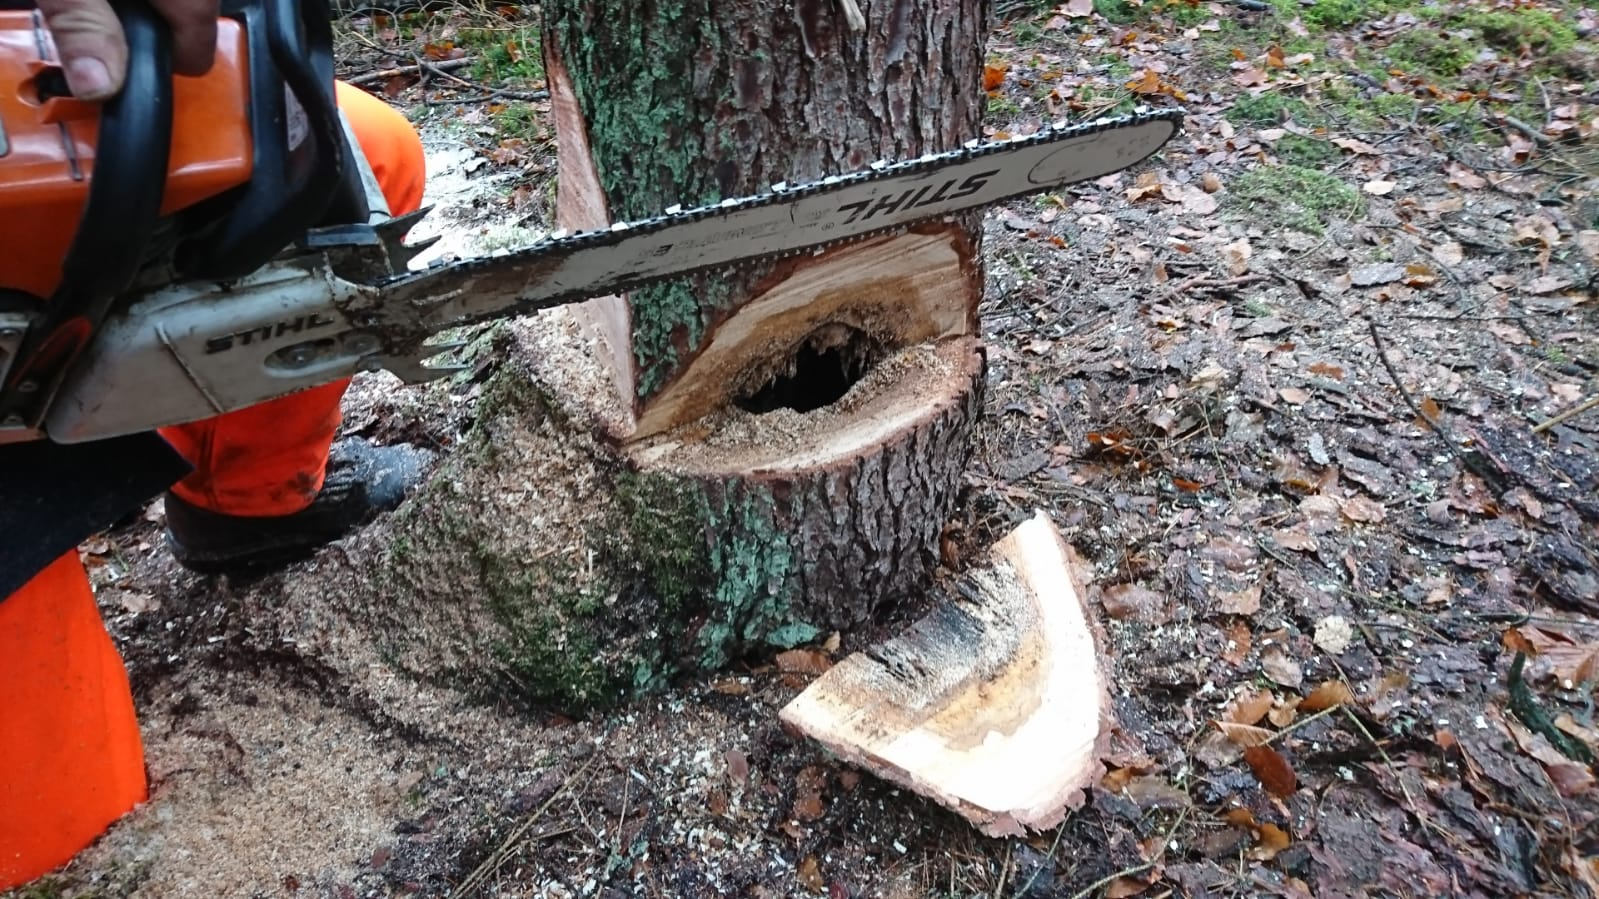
(808, 419)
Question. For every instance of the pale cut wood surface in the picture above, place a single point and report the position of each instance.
(995, 704)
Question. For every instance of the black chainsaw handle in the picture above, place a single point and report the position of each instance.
(129, 178)
(293, 184)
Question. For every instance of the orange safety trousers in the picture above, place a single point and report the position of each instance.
(71, 757)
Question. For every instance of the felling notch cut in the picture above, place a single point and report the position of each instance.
(995, 704)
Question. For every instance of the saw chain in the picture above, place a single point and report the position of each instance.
(344, 299)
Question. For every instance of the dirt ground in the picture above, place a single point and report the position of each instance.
(1297, 391)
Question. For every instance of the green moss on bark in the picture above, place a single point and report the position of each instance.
(647, 116)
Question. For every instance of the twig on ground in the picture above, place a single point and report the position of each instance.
(493, 92)
(417, 69)
(1004, 870)
(1388, 760)
(1567, 415)
(1437, 427)
(1208, 282)
(1165, 841)
(1526, 708)
(1053, 845)
(1533, 134)
(498, 856)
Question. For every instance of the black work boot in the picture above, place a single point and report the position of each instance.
(361, 481)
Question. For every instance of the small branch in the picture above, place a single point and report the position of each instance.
(1437, 427)
(432, 69)
(1532, 714)
(1567, 415)
(498, 856)
(419, 68)
(1209, 283)
(1108, 879)
(1533, 134)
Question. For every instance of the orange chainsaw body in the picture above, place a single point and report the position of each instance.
(48, 145)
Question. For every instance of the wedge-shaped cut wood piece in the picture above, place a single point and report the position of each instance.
(995, 704)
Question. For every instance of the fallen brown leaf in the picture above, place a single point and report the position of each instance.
(809, 873)
(1240, 602)
(1356, 146)
(1295, 539)
(803, 661)
(1450, 252)
(1250, 707)
(1272, 770)
(1547, 284)
(1124, 601)
(1462, 177)
(1246, 735)
(1237, 255)
(1283, 712)
(1123, 887)
(1419, 275)
(808, 808)
(1272, 840)
(738, 765)
(1359, 508)
(1148, 83)
(1326, 695)
(1280, 668)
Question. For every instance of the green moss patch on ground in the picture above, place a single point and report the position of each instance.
(1292, 196)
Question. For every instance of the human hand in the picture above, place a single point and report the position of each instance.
(94, 51)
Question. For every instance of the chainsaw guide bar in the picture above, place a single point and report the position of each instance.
(343, 300)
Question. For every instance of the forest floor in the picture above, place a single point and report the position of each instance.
(1298, 391)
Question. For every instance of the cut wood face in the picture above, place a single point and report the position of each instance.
(897, 291)
(580, 206)
(900, 394)
(995, 705)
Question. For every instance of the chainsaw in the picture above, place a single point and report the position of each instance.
(200, 245)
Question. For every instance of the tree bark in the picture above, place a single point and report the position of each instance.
(812, 416)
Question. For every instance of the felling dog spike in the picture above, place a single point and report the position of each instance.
(400, 224)
(415, 369)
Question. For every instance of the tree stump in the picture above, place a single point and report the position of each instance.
(803, 426)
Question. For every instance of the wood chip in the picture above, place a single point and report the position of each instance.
(995, 705)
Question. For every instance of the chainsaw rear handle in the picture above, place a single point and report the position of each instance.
(129, 180)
